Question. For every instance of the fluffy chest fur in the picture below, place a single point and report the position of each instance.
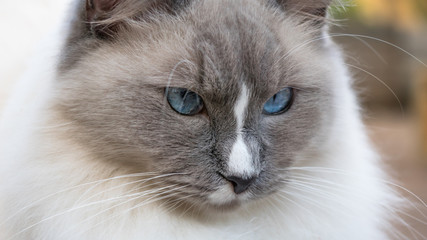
(102, 151)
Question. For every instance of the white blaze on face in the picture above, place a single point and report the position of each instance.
(240, 160)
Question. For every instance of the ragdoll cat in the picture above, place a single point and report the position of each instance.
(191, 119)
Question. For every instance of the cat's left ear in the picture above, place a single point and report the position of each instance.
(104, 17)
(98, 9)
(100, 16)
(310, 10)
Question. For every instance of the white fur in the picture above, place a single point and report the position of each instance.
(240, 160)
(223, 195)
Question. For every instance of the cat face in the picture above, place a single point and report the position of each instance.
(234, 56)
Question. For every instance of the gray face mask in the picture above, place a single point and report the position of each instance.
(217, 96)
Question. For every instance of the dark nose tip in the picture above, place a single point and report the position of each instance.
(239, 184)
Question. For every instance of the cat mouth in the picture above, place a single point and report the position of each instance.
(225, 197)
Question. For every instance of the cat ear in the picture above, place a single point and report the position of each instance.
(106, 16)
(98, 9)
(100, 16)
(310, 10)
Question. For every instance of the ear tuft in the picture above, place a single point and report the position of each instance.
(105, 17)
(97, 9)
(97, 14)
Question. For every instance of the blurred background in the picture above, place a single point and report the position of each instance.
(385, 42)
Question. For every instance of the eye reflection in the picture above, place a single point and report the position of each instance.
(280, 102)
(184, 101)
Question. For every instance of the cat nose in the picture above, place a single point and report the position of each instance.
(240, 184)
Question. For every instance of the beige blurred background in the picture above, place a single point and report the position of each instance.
(387, 53)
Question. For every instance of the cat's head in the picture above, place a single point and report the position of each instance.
(221, 96)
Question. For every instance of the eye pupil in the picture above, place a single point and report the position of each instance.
(279, 103)
(184, 101)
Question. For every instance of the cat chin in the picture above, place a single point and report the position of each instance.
(225, 199)
(225, 207)
(223, 195)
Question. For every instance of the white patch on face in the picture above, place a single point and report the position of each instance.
(240, 160)
(222, 196)
(240, 107)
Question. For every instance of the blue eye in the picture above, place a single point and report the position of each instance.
(184, 101)
(280, 102)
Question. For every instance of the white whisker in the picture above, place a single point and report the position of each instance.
(73, 188)
(145, 202)
(141, 181)
(304, 44)
(383, 83)
(138, 196)
(343, 172)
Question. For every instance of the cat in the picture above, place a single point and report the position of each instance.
(191, 119)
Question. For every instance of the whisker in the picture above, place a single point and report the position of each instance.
(343, 189)
(383, 41)
(56, 126)
(123, 185)
(138, 196)
(72, 188)
(328, 195)
(178, 203)
(279, 210)
(317, 204)
(295, 203)
(291, 51)
(372, 49)
(383, 83)
(145, 202)
(191, 207)
(343, 172)
(171, 77)
(393, 211)
(313, 217)
(65, 212)
(383, 181)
